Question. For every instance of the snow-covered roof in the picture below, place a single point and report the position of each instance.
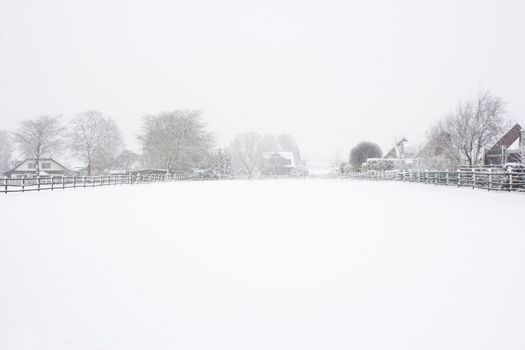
(47, 159)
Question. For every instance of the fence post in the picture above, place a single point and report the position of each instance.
(489, 185)
(459, 178)
(5, 185)
(510, 181)
(38, 183)
(63, 182)
(446, 178)
(84, 180)
(473, 178)
(52, 183)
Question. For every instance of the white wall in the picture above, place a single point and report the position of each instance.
(54, 166)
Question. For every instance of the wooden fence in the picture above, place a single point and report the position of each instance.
(63, 182)
(489, 179)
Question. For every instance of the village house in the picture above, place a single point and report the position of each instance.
(48, 167)
(398, 151)
(433, 156)
(396, 158)
(430, 156)
(278, 163)
(508, 149)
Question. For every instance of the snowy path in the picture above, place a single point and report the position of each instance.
(316, 264)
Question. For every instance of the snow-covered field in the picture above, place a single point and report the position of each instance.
(315, 264)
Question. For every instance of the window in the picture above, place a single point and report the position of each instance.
(31, 165)
(46, 165)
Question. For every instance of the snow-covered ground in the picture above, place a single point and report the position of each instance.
(292, 264)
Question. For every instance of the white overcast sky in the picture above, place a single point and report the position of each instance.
(331, 73)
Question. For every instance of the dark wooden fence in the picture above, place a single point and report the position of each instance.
(63, 182)
(489, 179)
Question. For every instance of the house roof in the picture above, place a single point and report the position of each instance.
(285, 155)
(397, 151)
(506, 140)
(34, 160)
(392, 153)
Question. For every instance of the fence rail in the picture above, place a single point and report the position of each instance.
(63, 182)
(489, 179)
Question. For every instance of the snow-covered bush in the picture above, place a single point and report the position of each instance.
(380, 164)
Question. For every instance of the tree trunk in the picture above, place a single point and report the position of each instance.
(37, 165)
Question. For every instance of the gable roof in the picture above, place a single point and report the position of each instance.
(391, 154)
(430, 150)
(34, 160)
(506, 140)
(398, 151)
(285, 155)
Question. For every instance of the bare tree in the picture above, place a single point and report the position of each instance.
(85, 137)
(40, 137)
(127, 160)
(95, 139)
(364, 150)
(287, 143)
(111, 145)
(281, 143)
(176, 141)
(246, 151)
(473, 127)
(6, 150)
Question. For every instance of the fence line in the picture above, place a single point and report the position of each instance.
(63, 182)
(489, 179)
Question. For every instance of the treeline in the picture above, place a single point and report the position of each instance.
(461, 137)
(177, 141)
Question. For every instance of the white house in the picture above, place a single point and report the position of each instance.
(48, 167)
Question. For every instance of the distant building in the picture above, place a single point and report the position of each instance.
(398, 151)
(396, 158)
(508, 149)
(431, 156)
(48, 167)
(278, 163)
